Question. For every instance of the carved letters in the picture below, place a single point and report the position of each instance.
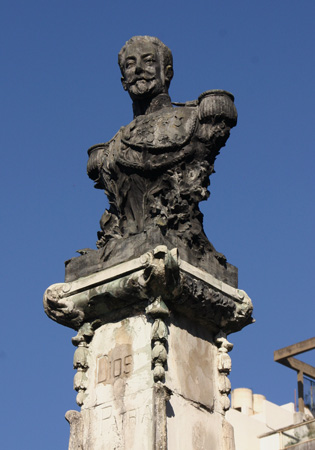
(111, 421)
(118, 363)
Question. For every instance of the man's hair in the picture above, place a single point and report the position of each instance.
(164, 52)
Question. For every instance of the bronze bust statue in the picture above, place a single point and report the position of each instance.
(156, 170)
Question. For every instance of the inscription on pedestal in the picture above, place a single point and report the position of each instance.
(119, 429)
(110, 417)
(118, 363)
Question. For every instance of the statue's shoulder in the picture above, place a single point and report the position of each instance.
(99, 156)
(168, 127)
(217, 105)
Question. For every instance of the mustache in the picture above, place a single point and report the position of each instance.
(141, 78)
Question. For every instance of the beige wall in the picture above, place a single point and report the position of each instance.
(256, 416)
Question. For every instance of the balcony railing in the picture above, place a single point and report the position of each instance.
(295, 437)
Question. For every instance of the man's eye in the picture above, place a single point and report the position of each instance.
(149, 61)
(129, 64)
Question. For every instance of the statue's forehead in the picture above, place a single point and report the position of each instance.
(140, 48)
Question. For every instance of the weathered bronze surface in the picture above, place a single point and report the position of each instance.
(156, 170)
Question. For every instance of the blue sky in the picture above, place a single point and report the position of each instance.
(61, 93)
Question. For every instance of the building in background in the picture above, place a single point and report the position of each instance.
(262, 425)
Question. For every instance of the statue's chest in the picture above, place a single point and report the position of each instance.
(156, 141)
(167, 128)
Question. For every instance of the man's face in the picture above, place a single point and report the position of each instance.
(142, 71)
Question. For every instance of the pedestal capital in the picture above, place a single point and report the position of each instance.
(132, 287)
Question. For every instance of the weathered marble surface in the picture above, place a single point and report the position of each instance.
(117, 410)
(151, 348)
(124, 408)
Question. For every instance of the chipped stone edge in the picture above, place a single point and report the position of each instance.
(237, 294)
(123, 269)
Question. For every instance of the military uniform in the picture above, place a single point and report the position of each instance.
(156, 170)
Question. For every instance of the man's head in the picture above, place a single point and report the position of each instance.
(146, 66)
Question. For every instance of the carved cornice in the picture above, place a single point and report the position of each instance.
(129, 288)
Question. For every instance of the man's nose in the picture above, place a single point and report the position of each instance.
(139, 67)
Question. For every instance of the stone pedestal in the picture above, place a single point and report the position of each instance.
(152, 354)
(118, 407)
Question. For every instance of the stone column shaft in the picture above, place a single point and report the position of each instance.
(152, 354)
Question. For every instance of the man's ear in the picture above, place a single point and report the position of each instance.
(169, 73)
(123, 82)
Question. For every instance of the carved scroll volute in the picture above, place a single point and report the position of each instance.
(224, 368)
(60, 307)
